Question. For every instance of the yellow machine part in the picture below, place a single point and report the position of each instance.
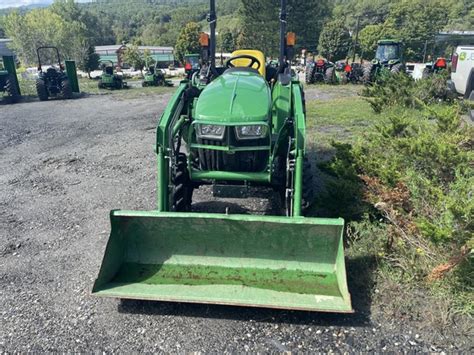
(245, 62)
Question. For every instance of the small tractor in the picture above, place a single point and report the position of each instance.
(109, 78)
(52, 82)
(191, 64)
(388, 60)
(154, 76)
(348, 73)
(435, 67)
(231, 128)
(8, 85)
(320, 71)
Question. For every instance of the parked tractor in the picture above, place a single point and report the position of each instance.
(348, 73)
(320, 71)
(109, 78)
(52, 82)
(191, 64)
(154, 76)
(388, 60)
(231, 129)
(8, 85)
(434, 67)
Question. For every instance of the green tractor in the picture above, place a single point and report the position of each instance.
(8, 84)
(388, 60)
(109, 78)
(52, 82)
(191, 64)
(154, 76)
(231, 128)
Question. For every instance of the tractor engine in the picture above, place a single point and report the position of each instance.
(232, 134)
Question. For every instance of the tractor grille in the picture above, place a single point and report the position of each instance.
(216, 160)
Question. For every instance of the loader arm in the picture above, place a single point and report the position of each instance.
(164, 136)
(299, 145)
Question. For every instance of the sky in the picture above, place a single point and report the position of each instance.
(17, 3)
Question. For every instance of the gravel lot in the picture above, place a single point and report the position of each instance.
(64, 165)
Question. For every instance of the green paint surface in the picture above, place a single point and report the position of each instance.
(283, 280)
(235, 97)
(107, 78)
(72, 75)
(265, 261)
(10, 67)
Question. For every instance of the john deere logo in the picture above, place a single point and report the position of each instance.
(462, 56)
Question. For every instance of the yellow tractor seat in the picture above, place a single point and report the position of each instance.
(245, 62)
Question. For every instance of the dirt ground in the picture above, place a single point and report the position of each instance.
(64, 165)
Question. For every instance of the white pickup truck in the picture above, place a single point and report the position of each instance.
(462, 71)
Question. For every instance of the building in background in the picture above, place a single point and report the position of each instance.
(162, 55)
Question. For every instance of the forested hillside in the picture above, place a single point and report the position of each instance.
(321, 26)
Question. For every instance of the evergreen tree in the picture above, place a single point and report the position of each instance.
(188, 41)
(90, 61)
(227, 42)
(335, 40)
(133, 57)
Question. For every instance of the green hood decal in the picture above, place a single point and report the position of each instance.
(235, 97)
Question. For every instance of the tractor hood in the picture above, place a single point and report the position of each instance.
(235, 97)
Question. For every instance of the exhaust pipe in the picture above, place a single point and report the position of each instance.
(283, 24)
(212, 19)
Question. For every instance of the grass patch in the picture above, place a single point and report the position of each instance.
(340, 119)
(27, 87)
(346, 111)
(139, 92)
(340, 90)
(89, 86)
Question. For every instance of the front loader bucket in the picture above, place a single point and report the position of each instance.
(260, 261)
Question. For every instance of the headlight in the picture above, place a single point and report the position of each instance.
(209, 131)
(251, 132)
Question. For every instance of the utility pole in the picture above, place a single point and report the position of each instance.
(424, 51)
(356, 39)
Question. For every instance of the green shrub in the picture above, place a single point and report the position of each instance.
(415, 167)
(434, 88)
(401, 90)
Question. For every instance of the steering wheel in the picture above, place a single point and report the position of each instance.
(253, 60)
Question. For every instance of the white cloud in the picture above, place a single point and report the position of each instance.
(17, 3)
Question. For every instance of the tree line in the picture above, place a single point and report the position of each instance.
(324, 27)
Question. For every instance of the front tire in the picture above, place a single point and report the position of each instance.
(344, 79)
(66, 90)
(117, 84)
(309, 77)
(11, 89)
(182, 189)
(329, 76)
(397, 68)
(367, 73)
(41, 90)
